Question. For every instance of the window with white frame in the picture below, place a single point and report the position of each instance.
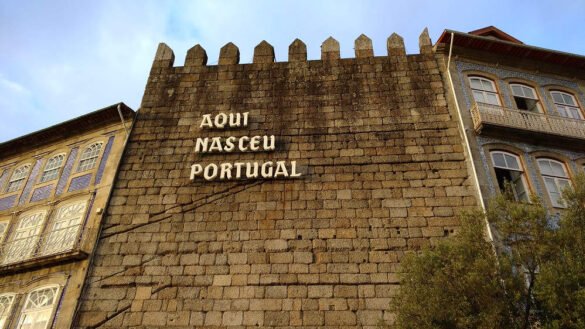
(64, 227)
(6, 302)
(89, 156)
(566, 105)
(24, 240)
(555, 179)
(38, 308)
(3, 229)
(509, 171)
(52, 167)
(525, 98)
(18, 178)
(484, 91)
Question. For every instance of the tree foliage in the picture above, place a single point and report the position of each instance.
(561, 282)
(450, 285)
(537, 278)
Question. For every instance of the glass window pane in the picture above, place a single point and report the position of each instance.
(550, 185)
(64, 228)
(499, 160)
(544, 166)
(18, 177)
(512, 162)
(574, 113)
(89, 157)
(6, 301)
(529, 92)
(492, 99)
(556, 199)
(38, 308)
(475, 83)
(557, 97)
(518, 186)
(487, 85)
(52, 168)
(568, 99)
(3, 227)
(517, 90)
(557, 169)
(24, 240)
(562, 111)
(478, 96)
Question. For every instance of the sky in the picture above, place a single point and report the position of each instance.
(61, 59)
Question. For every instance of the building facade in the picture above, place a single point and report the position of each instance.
(277, 194)
(54, 186)
(521, 112)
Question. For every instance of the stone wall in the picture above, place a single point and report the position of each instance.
(383, 173)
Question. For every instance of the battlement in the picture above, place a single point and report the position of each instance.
(297, 51)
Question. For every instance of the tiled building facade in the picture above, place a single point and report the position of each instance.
(520, 104)
(54, 185)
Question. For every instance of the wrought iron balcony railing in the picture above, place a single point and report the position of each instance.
(19, 252)
(486, 116)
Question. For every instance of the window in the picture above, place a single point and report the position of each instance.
(555, 179)
(23, 241)
(64, 228)
(52, 168)
(566, 105)
(38, 308)
(525, 98)
(509, 170)
(89, 156)
(3, 229)
(6, 301)
(18, 177)
(484, 91)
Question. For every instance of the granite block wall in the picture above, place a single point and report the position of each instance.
(383, 173)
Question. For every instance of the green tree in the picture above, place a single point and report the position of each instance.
(536, 280)
(523, 233)
(453, 285)
(561, 281)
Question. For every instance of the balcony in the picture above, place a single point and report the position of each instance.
(533, 127)
(39, 250)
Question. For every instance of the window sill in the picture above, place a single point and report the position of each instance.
(42, 261)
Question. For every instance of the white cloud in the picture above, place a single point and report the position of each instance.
(8, 86)
(62, 58)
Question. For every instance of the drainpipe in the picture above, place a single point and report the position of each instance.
(466, 139)
(101, 217)
(122, 119)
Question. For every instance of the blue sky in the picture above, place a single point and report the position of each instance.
(61, 59)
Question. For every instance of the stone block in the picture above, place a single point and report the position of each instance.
(340, 318)
(231, 318)
(222, 280)
(320, 291)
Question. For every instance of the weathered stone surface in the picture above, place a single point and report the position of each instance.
(330, 49)
(424, 42)
(383, 174)
(164, 56)
(263, 53)
(229, 54)
(395, 46)
(297, 51)
(363, 47)
(196, 56)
